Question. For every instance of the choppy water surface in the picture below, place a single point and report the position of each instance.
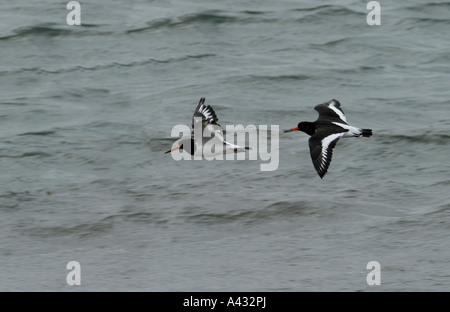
(86, 113)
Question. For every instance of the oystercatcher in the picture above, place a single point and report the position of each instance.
(205, 115)
(326, 131)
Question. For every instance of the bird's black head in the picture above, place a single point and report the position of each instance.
(305, 126)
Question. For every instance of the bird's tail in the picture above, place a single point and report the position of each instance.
(366, 132)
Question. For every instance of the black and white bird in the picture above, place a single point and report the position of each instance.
(326, 131)
(205, 117)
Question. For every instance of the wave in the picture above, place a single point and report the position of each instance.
(85, 230)
(37, 133)
(212, 17)
(278, 210)
(420, 22)
(52, 30)
(270, 78)
(28, 154)
(425, 138)
(39, 30)
(316, 8)
(324, 11)
(332, 43)
(432, 5)
(217, 17)
(39, 70)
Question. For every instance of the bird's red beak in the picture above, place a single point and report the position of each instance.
(290, 130)
(173, 149)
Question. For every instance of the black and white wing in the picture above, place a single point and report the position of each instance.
(209, 126)
(331, 111)
(321, 150)
(206, 113)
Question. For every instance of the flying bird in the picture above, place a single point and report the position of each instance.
(326, 131)
(205, 117)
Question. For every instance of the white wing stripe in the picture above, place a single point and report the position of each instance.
(352, 131)
(325, 143)
(205, 112)
(337, 111)
(327, 140)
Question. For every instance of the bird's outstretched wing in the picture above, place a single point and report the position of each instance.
(321, 150)
(206, 113)
(331, 111)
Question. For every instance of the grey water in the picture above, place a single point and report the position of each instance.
(86, 114)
